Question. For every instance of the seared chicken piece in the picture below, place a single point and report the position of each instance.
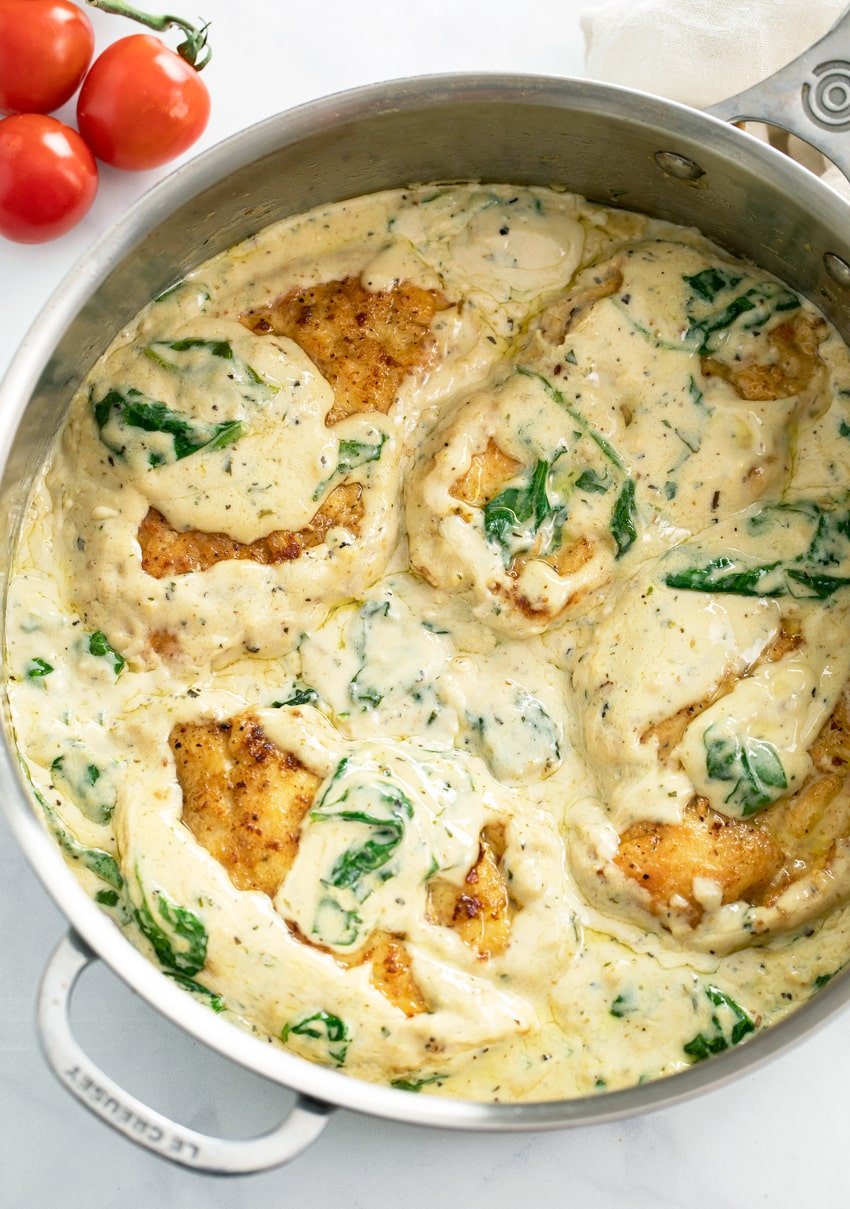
(364, 343)
(664, 858)
(752, 859)
(166, 551)
(243, 797)
(560, 318)
(571, 557)
(479, 910)
(392, 970)
(669, 731)
(809, 822)
(392, 973)
(488, 471)
(794, 348)
(831, 749)
(244, 800)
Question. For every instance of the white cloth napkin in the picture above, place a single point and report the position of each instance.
(700, 51)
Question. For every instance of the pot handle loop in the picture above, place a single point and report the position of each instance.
(809, 97)
(129, 1116)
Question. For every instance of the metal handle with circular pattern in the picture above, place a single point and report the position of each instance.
(809, 97)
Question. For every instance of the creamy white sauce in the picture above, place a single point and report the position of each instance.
(437, 688)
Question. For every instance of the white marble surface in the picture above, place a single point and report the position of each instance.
(774, 1138)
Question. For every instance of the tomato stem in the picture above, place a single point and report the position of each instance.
(194, 48)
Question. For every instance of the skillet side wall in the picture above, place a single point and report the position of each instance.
(591, 139)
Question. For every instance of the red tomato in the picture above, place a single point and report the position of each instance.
(48, 178)
(141, 104)
(45, 48)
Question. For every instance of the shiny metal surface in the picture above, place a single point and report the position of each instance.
(810, 97)
(593, 139)
(129, 1116)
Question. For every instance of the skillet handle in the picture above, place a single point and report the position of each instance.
(809, 97)
(129, 1116)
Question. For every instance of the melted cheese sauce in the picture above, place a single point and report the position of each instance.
(480, 653)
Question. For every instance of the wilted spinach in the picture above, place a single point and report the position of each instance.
(118, 413)
(182, 945)
(100, 646)
(711, 286)
(800, 575)
(752, 764)
(351, 454)
(325, 1027)
(516, 517)
(704, 1045)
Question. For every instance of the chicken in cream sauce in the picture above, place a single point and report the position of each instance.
(427, 640)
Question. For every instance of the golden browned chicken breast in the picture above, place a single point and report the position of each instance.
(392, 973)
(664, 858)
(794, 352)
(168, 551)
(754, 860)
(479, 911)
(489, 469)
(363, 342)
(243, 798)
(669, 731)
(562, 316)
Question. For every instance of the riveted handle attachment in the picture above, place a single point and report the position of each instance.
(143, 1125)
(809, 97)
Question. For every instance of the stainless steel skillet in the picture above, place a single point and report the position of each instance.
(616, 147)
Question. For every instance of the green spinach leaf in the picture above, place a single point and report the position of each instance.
(364, 694)
(587, 429)
(622, 1006)
(623, 523)
(214, 1000)
(820, 587)
(351, 869)
(335, 924)
(80, 778)
(118, 413)
(720, 575)
(99, 645)
(301, 694)
(704, 1045)
(624, 518)
(752, 764)
(325, 1027)
(710, 282)
(162, 352)
(180, 946)
(98, 862)
(38, 668)
(800, 575)
(516, 516)
(592, 482)
(415, 1084)
(351, 454)
(760, 302)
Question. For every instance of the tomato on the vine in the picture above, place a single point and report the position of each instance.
(48, 178)
(141, 104)
(45, 48)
